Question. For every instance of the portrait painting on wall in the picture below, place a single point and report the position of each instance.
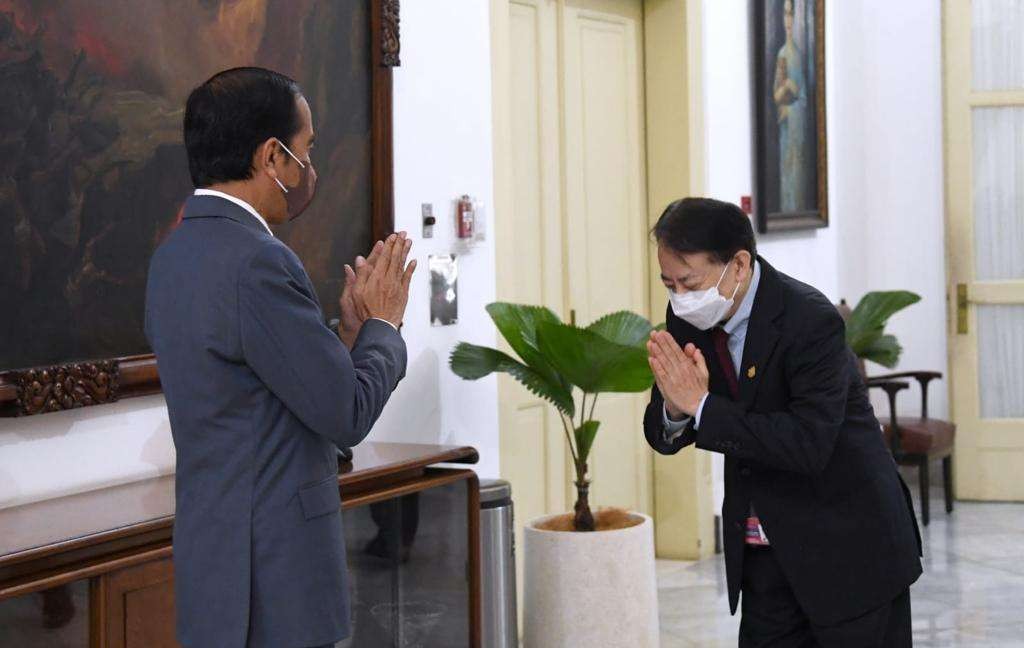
(790, 154)
(93, 170)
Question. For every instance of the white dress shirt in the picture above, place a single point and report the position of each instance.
(249, 208)
(238, 201)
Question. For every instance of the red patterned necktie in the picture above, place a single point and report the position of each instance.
(721, 340)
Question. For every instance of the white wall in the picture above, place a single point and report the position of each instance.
(883, 93)
(884, 101)
(442, 124)
(810, 255)
(893, 234)
(443, 150)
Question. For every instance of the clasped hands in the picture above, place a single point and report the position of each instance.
(377, 288)
(680, 373)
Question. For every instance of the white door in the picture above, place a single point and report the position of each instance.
(570, 220)
(984, 61)
(528, 224)
(606, 215)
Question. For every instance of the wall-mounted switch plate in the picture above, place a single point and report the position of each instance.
(429, 221)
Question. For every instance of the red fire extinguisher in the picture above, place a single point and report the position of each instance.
(465, 217)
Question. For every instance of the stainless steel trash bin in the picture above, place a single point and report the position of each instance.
(498, 558)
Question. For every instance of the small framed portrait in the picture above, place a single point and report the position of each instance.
(788, 96)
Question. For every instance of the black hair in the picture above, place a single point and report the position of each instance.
(715, 227)
(230, 115)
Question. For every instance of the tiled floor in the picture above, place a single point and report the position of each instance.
(971, 593)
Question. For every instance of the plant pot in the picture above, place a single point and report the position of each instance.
(594, 589)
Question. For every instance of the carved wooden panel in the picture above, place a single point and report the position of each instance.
(390, 44)
(63, 387)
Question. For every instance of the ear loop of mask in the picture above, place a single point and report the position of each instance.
(735, 290)
(301, 165)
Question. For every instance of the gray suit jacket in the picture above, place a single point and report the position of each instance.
(259, 393)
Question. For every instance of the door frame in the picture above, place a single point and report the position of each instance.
(676, 161)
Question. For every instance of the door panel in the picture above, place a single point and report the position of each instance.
(1000, 349)
(984, 135)
(997, 50)
(527, 191)
(529, 241)
(605, 209)
(134, 607)
(998, 193)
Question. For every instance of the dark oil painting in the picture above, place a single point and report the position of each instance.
(790, 166)
(93, 172)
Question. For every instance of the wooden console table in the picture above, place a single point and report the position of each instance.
(411, 531)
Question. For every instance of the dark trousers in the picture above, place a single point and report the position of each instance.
(772, 617)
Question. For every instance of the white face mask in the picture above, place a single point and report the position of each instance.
(702, 308)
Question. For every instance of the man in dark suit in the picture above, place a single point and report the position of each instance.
(259, 390)
(820, 535)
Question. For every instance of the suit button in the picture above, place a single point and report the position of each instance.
(745, 472)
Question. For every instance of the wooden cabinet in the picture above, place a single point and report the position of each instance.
(133, 607)
(412, 539)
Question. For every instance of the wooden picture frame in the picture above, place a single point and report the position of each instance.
(789, 128)
(69, 385)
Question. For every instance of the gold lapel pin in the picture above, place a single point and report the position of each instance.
(752, 371)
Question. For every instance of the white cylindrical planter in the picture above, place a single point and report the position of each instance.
(595, 589)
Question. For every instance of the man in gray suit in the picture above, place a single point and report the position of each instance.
(259, 390)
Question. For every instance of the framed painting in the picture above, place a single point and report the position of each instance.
(93, 171)
(788, 101)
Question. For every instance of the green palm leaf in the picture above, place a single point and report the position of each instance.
(585, 438)
(623, 327)
(864, 330)
(593, 363)
(885, 351)
(471, 362)
(518, 325)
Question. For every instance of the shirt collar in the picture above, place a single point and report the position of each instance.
(238, 201)
(742, 315)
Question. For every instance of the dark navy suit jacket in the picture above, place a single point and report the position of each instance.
(259, 393)
(803, 445)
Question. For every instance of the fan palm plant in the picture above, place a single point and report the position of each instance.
(865, 328)
(556, 360)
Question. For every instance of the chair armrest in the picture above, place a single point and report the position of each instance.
(884, 382)
(926, 375)
(922, 377)
(891, 388)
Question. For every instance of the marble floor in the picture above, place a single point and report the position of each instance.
(971, 593)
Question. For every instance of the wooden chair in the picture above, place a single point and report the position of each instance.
(915, 440)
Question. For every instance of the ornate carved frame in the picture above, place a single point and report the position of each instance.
(38, 390)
